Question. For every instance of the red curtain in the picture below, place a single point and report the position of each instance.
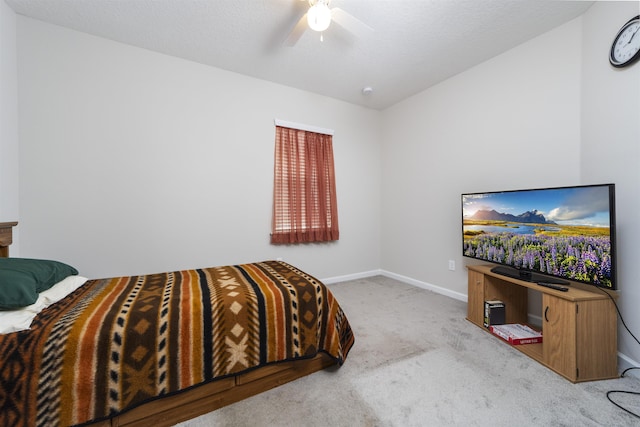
(304, 191)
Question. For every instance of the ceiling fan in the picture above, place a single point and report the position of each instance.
(320, 16)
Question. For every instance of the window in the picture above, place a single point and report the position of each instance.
(304, 193)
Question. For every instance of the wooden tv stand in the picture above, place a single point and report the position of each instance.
(579, 327)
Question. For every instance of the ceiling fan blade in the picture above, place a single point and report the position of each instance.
(350, 23)
(297, 31)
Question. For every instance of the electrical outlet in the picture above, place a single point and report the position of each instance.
(452, 265)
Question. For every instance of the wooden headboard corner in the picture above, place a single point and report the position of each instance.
(6, 237)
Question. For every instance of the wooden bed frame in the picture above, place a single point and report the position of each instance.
(170, 410)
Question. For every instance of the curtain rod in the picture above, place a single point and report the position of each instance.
(300, 126)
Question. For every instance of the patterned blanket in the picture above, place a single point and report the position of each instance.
(116, 343)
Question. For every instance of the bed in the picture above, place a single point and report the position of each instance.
(163, 348)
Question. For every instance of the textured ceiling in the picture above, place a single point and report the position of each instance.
(415, 43)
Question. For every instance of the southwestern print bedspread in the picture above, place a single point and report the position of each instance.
(116, 343)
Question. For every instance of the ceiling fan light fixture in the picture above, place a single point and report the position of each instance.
(319, 16)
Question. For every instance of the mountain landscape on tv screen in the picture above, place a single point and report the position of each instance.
(529, 217)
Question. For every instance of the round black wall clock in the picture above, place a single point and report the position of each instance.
(625, 48)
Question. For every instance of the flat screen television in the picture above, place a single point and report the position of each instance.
(547, 235)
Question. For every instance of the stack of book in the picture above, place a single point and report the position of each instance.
(516, 333)
(494, 313)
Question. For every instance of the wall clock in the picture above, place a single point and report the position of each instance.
(625, 48)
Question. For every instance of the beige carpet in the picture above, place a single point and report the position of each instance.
(418, 362)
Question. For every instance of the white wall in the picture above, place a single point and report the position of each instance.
(611, 146)
(512, 122)
(136, 162)
(550, 112)
(123, 169)
(9, 122)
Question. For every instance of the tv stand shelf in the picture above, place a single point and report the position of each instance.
(579, 326)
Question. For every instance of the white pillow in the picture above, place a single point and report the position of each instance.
(20, 320)
(62, 289)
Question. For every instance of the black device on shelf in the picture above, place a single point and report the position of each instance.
(527, 275)
(547, 235)
(554, 286)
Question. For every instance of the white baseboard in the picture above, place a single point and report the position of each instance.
(425, 285)
(404, 279)
(625, 362)
(348, 277)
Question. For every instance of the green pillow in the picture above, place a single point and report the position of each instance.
(45, 272)
(17, 289)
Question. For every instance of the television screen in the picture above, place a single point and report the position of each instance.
(544, 235)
